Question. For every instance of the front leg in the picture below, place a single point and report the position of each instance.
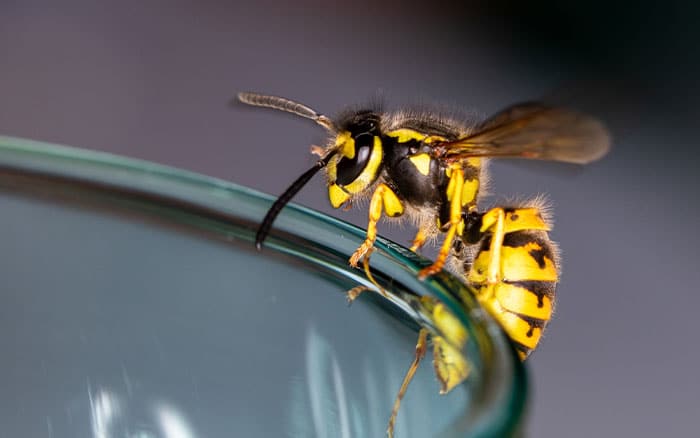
(383, 197)
(355, 292)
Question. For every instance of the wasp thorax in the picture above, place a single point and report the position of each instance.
(357, 159)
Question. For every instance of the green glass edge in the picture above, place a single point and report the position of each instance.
(144, 176)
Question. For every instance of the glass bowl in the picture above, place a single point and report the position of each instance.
(134, 304)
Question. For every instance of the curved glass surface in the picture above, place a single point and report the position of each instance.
(134, 304)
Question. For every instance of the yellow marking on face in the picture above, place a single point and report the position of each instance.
(369, 173)
(345, 144)
(469, 191)
(422, 163)
(522, 301)
(337, 195)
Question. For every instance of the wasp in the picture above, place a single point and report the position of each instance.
(431, 170)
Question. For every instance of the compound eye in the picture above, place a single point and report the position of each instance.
(348, 169)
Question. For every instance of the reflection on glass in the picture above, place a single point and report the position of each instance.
(104, 407)
(143, 282)
(118, 416)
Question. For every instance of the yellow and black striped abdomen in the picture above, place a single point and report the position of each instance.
(522, 297)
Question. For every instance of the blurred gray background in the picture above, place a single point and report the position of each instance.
(152, 79)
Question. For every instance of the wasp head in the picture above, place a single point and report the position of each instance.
(357, 156)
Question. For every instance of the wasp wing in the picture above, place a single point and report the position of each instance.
(536, 131)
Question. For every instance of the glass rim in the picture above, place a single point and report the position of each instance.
(500, 391)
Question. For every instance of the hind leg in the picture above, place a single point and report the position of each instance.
(421, 348)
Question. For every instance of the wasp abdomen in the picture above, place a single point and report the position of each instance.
(522, 296)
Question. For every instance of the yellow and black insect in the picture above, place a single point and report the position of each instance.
(431, 170)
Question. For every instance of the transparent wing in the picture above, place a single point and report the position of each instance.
(536, 131)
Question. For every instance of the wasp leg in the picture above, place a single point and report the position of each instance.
(494, 218)
(454, 195)
(384, 197)
(355, 292)
(421, 348)
(419, 240)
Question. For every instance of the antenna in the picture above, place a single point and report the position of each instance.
(286, 105)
